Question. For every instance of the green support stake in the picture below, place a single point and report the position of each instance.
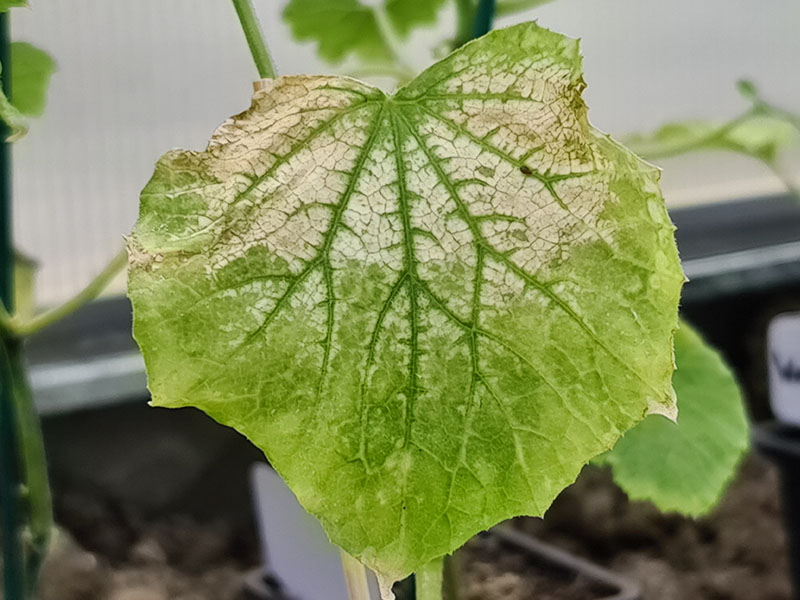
(10, 481)
(26, 515)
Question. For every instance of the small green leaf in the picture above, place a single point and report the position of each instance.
(758, 135)
(344, 27)
(31, 69)
(747, 89)
(17, 123)
(429, 309)
(685, 467)
(510, 7)
(6, 4)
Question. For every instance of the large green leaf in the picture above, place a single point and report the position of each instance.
(31, 69)
(428, 309)
(343, 27)
(685, 467)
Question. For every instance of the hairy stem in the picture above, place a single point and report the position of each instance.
(255, 38)
(429, 581)
(87, 294)
(355, 576)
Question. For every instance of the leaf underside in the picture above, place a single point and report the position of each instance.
(428, 309)
(686, 466)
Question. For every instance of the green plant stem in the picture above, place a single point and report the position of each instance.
(465, 19)
(669, 150)
(473, 20)
(484, 18)
(390, 39)
(255, 38)
(10, 521)
(355, 576)
(10, 476)
(87, 294)
(429, 581)
(451, 576)
(35, 491)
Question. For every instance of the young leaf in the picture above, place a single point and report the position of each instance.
(428, 309)
(685, 467)
(6, 4)
(11, 116)
(343, 27)
(508, 7)
(31, 69)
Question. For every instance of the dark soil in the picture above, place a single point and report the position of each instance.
(737, 553)
(109, 552)
(493, 570)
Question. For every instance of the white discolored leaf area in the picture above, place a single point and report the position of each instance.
(429, 309)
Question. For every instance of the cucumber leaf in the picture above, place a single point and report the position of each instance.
(428, 309)
(344, 27)
(686, 466)
(31, 69)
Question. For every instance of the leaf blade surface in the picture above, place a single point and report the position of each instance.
(428, 309)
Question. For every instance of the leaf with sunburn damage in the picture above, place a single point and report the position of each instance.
(429, 309)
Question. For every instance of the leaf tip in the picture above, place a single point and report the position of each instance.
(667, 409)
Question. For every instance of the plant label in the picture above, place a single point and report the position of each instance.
(783, 357)
(294, 546)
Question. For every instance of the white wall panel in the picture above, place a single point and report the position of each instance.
(138, 78)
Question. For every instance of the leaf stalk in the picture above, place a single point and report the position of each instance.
(255, 38)
(87, 294)
(429, 580)
(355, 576)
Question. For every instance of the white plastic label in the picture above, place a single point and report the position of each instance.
(293, 543)
(783, 356)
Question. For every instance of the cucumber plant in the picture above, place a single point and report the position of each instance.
(429, 307)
